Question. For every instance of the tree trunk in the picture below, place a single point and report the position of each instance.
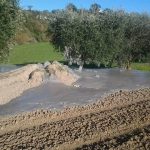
(111, 63)
(128, 65)
(66, 53)
(98, 64)
(81, 66)
(70, 63)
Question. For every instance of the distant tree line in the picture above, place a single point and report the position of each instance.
(100, 36)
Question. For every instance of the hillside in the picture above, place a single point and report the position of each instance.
(34, 27)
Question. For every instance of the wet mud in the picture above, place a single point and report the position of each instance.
(93, 84)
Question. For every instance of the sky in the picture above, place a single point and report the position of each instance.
(127, 5)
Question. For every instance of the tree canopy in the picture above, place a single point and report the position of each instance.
(8, 21)
(101, 37)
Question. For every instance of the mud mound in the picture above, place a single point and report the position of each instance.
(14, 83)
(62, 72)
(107, 123)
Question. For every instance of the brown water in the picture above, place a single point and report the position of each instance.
(94, 83)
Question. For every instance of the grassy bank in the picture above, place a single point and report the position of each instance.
(33, 53)
(141, 66)
(41, 52)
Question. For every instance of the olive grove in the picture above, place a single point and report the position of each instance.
(100, 37)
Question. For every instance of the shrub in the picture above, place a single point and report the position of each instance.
(9, 11)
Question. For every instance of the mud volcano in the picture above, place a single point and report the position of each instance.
(104, 109)
(92, 84)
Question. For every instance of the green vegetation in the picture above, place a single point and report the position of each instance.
(8, 23)
(101, 37)
(34, 53)
(141, 66)
(33, 28)
(85, 36)
(40, 52)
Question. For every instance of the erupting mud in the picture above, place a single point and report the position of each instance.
(14, 83)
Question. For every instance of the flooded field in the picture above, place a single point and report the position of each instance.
(93, 84)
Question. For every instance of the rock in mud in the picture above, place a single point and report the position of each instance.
(47, 63)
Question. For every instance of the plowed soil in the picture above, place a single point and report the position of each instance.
(118, 121)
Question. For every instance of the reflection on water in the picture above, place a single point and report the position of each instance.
(94, 83)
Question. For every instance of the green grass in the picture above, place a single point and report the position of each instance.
(141, 66)
(34, 53)
(44, 51)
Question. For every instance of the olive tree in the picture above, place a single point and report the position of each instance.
(71, 7)
(136, 37)
(95, 8)
(101, 37)
(71, 32)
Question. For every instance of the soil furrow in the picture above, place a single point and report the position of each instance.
(97, 128)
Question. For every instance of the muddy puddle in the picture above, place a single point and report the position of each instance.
(94, 83)
(7, 68)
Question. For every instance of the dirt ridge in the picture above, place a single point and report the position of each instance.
(118, 114)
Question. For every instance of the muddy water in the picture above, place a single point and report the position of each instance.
(93, 84)
(7, 68)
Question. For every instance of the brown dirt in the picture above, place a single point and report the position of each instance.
(14, 83)
(62, 73)
(136, 139)
(119, 121)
